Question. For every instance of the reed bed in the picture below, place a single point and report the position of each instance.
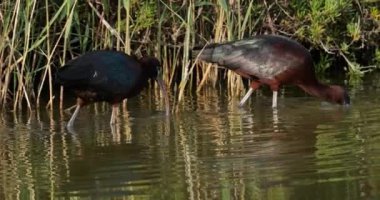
(37, 37)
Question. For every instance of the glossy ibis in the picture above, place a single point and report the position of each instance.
(272, 60)
(109, 76)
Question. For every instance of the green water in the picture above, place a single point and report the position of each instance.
(210, 149)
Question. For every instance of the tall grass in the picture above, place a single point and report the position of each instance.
(36, 37)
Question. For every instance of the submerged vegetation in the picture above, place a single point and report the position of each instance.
(36, 37)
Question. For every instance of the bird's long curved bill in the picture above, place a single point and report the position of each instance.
(165, 94)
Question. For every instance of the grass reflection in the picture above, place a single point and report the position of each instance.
(211, 149)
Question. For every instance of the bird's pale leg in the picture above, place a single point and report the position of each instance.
(274, 99)
(114, 114)
(254, 85)
(72, 119)
(246, 96)
(70, 108)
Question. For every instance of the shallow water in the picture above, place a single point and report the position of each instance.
(210, 149)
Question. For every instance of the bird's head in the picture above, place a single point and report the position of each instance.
(339, 95)
(152, 67)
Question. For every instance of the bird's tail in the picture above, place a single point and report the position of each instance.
(203, 52)
(58, 78)
(67, 78)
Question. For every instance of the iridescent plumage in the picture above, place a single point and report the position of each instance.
(272, 60)
(109, 76)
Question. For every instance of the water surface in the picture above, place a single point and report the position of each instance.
(210, 149)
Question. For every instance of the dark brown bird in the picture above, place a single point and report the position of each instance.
(109, 76)
(272, 60)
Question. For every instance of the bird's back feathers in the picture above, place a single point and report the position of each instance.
(106, 72)
(264, 56)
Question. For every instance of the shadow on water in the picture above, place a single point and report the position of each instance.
(211, 149)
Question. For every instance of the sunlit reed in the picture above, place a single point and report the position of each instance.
(37, 37)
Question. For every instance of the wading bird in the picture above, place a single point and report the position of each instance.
(109, 76)
(271, 60)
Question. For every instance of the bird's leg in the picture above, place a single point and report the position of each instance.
(78, 106)
(254, 85)
(274, 87)
(71, 121)
(70, 108)
(246, 96)
(114, 114)
(274, 99)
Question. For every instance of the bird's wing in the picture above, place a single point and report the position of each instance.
(118, 74)
(106, 72)
(250, 56)
(73, 74)
(121, 75)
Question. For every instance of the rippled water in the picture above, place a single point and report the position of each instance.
(210, 149)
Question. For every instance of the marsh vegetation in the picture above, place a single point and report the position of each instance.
(37, 37)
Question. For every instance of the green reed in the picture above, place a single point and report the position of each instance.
(37, 37)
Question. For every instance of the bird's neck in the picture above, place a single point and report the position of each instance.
(318, 89)
(143, 82)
